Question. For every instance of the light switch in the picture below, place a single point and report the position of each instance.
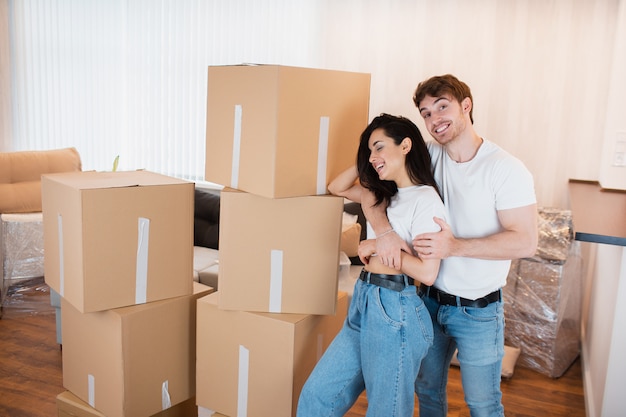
(619, 156)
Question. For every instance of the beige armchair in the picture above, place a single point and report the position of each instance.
(21, 224)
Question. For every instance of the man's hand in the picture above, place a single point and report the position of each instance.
(388, 244)
(439, 245)
(389, 247)
(517, 239)
(366, 249)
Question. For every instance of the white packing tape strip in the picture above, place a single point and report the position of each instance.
(234, 175)
(276, 281)
(242, 382)
(205, 412)
(166, 401)
(141, 274)
(61, 250)
(91, 390)
(322, 154)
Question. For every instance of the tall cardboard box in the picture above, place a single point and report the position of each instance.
(255, 364)
(281, 131)
(113, 239)
(132, 361)
(279, 255)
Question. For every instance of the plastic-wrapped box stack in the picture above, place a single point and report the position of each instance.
(543, 298)
(21, 260)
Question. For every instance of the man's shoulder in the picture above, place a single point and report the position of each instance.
(505, 168)
(495, 153)
(434, 148)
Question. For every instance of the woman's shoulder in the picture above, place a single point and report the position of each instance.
(420, 191)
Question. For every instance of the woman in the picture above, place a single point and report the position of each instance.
(388, 329)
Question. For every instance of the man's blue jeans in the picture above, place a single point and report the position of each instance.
(478, 334)
(379, 349)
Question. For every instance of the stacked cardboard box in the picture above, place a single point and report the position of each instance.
(252, 363)
(275, 137)
(69, 405)
(280, 131)
(114, 239)
(543, 298)
(118, 250)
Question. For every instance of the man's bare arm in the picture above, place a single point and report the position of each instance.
(518, 239)
(388, 244)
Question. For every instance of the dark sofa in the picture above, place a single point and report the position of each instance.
(207, 219)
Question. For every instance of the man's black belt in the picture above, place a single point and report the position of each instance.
(444, 298)
(393, 282)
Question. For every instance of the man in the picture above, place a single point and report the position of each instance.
(492, 209)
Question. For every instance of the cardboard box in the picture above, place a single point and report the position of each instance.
(205, 412)
(69, 405)
(279, 255)
(281, 131)
(255, 364)
(125, 361)
(114, 239)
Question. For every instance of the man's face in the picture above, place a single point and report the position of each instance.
(443, 116)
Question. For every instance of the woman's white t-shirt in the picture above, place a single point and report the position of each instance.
(411, 212)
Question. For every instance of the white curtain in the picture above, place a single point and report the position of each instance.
(128, 77)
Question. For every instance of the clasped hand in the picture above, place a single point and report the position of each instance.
(434, 245)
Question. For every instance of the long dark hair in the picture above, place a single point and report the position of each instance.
(418, 163)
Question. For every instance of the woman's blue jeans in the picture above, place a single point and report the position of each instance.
(379, 350)
(478, 334)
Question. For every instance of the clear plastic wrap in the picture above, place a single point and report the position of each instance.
(556, 233)
(29, 297)
(22, 262)
(543, 298)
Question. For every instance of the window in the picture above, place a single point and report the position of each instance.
(129, 78)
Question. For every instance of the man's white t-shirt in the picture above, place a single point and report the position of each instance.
(473, 192)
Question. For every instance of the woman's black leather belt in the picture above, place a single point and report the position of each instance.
(393, 282)
(444, 298)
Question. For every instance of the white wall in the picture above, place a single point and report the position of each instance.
(538, 71)
(604, 338)
(612, 174)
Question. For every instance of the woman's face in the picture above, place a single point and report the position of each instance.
(387, 157)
